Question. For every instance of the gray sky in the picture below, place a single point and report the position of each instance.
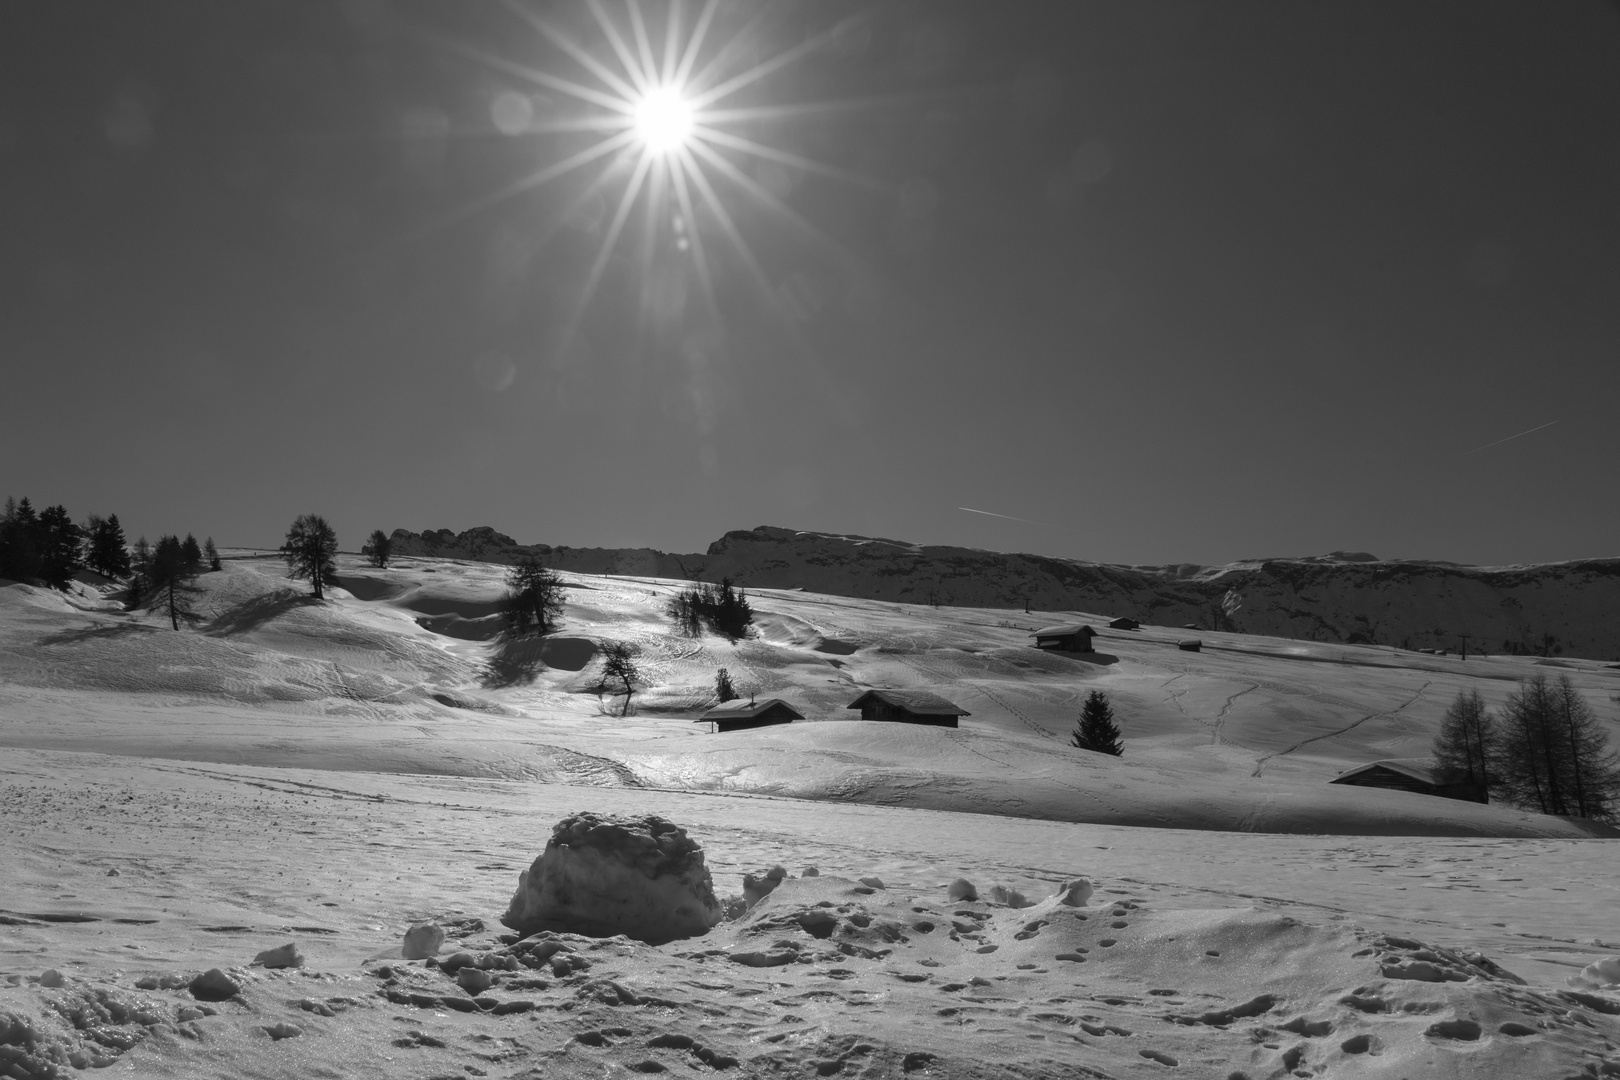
(1179, 282)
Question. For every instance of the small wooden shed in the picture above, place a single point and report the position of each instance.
(1073, 638)
(1125, 622)
(1410, 774)
(737, 715)
(908, 707)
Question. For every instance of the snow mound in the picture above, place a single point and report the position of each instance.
(602, 875)
(1601, 975)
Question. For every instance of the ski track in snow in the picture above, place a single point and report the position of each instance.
(1260, 766)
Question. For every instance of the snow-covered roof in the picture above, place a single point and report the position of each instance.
(1417, 768)
(1064, 631)
(921, 702)
(747, 710)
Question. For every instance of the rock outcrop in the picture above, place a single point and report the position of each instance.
(601, 875)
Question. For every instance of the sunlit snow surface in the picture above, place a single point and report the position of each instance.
(327, 774)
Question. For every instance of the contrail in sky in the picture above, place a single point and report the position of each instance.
(1510, 438)
(1009, 517)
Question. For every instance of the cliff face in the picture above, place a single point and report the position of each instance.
(1553, 607)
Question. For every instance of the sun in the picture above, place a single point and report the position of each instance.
(663, 120)
(667, 117)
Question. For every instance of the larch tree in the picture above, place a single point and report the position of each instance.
(533, 604)
(140, 564)
(170, 580)
(192, 552)
(1466, 743)
(311, 552)
(58, 542)
(1594, 768)
(378, 548)
(1553, 755)
(1097, 730)
(1529, 755)
(211, 553)
(619, 664)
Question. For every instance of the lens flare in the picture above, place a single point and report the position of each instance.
(663, 120)
(660, 117)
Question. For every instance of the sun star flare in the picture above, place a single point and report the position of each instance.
(663, 120)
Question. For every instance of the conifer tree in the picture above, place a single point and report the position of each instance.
(19, 549)
(90, 531)
(191, 552)
(1553, 756)
(1097, 731)
(1466, 743)
(140, 572)
(723, 688)
(169, 577)
(58, 541)
(311, 552)
(108, 554)
(379, 548)
(719, 607)
(211, 553)
(683, 608)
(732, 614)
(534, 599)
(619, 663)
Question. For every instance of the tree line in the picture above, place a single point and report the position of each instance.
(1545, 750)
(719, 608)
(49, 547)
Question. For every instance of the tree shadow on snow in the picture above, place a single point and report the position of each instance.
(251, 614)
(514, 662)
(97, 632)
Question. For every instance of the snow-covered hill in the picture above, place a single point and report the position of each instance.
(1565, 608)
(327, 773)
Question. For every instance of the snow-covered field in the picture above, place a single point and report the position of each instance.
(329, 773)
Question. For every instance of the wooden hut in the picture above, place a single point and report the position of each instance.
(1125, 622)
(1410, 774)
(737, 715)
(908, 707)
(1074, 638)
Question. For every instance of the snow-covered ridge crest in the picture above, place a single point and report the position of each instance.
(1551, 608)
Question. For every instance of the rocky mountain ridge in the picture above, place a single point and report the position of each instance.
(1546, 608)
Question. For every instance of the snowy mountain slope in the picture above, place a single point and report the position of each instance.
(326, 774)
(1554, 608)
(402, 670)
